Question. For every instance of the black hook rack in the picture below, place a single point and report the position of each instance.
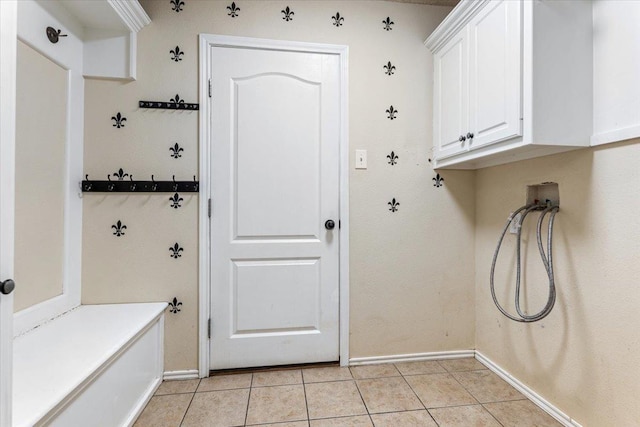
(175, 103)
(131, 186)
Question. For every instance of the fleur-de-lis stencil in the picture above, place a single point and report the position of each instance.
(438, 181)
(173, 305)
(337, 19)
(387, 24)
(177, 54)
(391, 113)
(177, 100)
(288, 14)
(177, 5)
(176, 150)
(119, 120)
(393, 159)
(393, 205)
(175, 201)
(175, 251)
(119, 228)
(389, 69)
(120, 174)
(233, 10)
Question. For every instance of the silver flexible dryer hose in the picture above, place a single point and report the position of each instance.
(547, 260)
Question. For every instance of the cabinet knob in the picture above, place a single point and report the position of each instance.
(462, 138)
(469, 135)
(7, 286)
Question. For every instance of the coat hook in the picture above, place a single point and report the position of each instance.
(54, 35)
(88, 186)
(154, 186)
(175, 184)
(195, 184)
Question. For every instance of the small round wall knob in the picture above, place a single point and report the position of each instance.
(329, 224)
(7, 286)
(469, 135)
(462, 138)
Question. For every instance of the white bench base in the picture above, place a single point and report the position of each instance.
(97, 365)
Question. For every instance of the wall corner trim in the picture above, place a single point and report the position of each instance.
(528, 392)
(187, 374)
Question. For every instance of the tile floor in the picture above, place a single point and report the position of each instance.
(460, 392)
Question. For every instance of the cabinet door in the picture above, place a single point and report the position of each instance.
(451, 96)
(495, 87)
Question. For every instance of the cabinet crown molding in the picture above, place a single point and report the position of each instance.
(453, 23)
(131, 13)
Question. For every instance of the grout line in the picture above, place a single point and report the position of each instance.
(246, 412)
(306, 404)
(490, 413)
(187, 410)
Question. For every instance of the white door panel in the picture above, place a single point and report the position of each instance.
(8, 24)
(275, 180)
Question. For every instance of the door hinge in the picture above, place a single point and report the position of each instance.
(209, 208)
(339, 224)
(209, 328)
(209, 88)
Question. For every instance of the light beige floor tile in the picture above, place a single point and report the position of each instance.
(422, 367)
(388, 395)
(277, 404)
(226, 408)
(404, 419)
(463, 416)
(361, 421)
(334, 399)
(374, 371)
(520, 413)
(331, 373)
(437, 390)
(164, 411)
(271, 378)
(487, 386)
(175, 387)
(456, 365)
(225, 382)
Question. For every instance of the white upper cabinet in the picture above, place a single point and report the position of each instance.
(512, 80)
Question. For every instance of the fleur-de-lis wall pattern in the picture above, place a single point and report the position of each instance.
(393, 159)
(119, 228)
(120, 174)
(387, 24)
(438, 181)
(176, 54)
(176, 100)
(389, 69)
(174, 306)
(233, 10)
(176, 150)
(175, 251)
(337, 19)
(118, 120)
(288, 14)
(177, 5)
(392, 112)
(393, 205)
(175, 201)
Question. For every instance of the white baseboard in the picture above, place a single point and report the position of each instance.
(550, 409)
(456, 354)
(189, 374)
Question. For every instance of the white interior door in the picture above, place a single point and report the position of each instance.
(8, 23)
(275, 119)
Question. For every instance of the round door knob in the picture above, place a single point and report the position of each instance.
(7, 286)
(462, 138)
(469, 135)
(329, 224)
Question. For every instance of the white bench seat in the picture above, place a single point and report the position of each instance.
(96, 365)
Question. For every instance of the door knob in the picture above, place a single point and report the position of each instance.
(329, 224)
(7, 286)
(462, 138)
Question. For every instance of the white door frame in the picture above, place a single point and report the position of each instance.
(8, 30)
(205, 131)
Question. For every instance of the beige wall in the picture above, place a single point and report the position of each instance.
(583, 357)
(408, 294)
(41, 134)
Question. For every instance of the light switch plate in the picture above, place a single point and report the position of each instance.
(361, 159)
